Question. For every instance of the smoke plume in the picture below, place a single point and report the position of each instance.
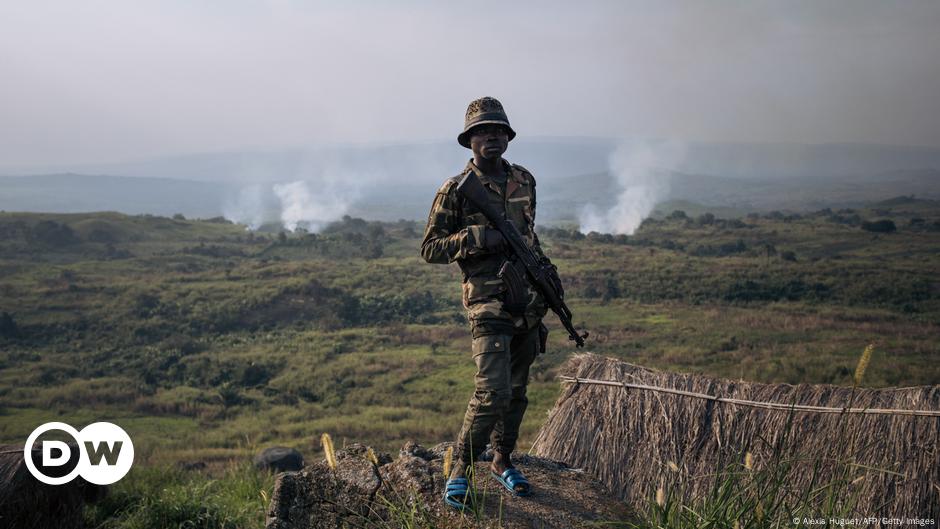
(298, 204)
(251, 206)
(641, 172)
(311, 210)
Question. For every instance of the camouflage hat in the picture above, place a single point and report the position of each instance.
(484, 111)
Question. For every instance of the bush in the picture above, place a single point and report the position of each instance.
(8, 328)
(850, 219)
(730, 248)
(678, 215)
(880, 226)
(705, 219)
(52, 233)
(775, 290)
(145, 304)
(604, 238)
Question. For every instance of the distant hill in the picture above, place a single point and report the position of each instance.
(76, 193)
(548, 158)
(398, 181)
(561, 198)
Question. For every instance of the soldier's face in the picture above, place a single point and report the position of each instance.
(489, 141)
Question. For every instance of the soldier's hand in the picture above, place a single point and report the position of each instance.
(493, 240)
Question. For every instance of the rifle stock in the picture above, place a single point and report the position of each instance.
(472, 189)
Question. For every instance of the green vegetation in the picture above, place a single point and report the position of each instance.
(201, 338)
(742, 496)
(154, 498)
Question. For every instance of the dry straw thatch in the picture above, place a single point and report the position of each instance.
(25, 502)
(631, 439)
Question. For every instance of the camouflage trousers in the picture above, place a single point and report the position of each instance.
(495, 411)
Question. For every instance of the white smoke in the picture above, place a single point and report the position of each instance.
(311, 210)
(299, 189)
(641, 172)
(250, 207)
(306, 204)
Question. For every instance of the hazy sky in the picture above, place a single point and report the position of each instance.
(104, 80)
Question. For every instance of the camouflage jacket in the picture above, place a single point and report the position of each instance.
(455, 233)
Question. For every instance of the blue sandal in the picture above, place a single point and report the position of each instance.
(457, 493)
(511, 479)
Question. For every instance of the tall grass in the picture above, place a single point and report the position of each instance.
(747, 493)
(160, 498)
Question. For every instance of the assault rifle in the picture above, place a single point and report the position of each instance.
(541, 275)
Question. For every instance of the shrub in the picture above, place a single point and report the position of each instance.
(850, 219)
(8, 328)
(678, 215)
(52, 233)
(880, 226)
(705, 219)
(730, 248)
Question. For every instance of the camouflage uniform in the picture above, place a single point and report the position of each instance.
(505, 338)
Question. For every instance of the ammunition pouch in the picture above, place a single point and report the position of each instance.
(516, 296)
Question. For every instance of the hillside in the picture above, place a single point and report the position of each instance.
(390, 182)
(548, 157)
(562, 198)
(206, 341)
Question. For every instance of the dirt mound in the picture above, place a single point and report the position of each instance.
(361, 493)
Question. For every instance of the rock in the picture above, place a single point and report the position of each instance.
(361, 451)
(319, 497)
(279, 459)
(361, 494)
(440, 449)
(408, 474)
(357, 474)
(412, 448)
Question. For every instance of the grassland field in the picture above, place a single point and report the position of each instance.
(207, 342)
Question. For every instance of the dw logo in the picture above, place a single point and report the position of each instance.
(101, 453)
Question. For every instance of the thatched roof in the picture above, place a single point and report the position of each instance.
(25, 502)
(628, 437)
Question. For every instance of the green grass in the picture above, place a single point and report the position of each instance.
(203, 340)
(158, 498)
(745, 493)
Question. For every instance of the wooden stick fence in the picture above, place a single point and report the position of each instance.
(754, 404)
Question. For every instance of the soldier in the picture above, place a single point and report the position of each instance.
(507, 333)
